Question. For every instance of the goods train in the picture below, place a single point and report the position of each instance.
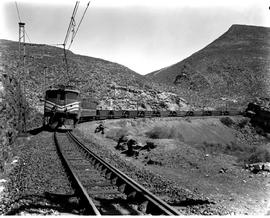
(64, 108)
(92, 114)
(61, 107)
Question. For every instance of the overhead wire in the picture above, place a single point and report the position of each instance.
(72, 28)
(75, 33)
(58, 44)
(27, 37)
(18, 13)
(72, 22)
(72, 25)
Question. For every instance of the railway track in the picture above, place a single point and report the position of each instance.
(103, 189)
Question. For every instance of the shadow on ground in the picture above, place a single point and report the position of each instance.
(42, 128)
(36, 130)
(45, 204)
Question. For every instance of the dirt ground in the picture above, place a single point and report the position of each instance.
(190, 152)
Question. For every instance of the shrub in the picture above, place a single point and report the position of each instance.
(187, 119)
(116, 133)
(241, 151)
(242, 123)
(162, 104)
(150, 145)
(260, 131)
(234, 148)
(259, 155)
(122, 123)
(143, 106)
(227, 121)
(155, 133)
(248, 154)
(212, 147)
(153, 162)
(164, 132)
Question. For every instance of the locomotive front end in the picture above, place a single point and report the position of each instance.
(62, 108)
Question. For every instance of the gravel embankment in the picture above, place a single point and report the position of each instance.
(38, 183)
(184, 200)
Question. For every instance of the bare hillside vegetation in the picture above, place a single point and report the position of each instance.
(234, 66)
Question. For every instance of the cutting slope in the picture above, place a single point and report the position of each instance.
(113, 85)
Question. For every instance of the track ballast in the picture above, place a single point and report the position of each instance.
(102, 188)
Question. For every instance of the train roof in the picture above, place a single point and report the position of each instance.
(64, 89)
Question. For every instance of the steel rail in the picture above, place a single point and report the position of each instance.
(129, 186)
(81, 191)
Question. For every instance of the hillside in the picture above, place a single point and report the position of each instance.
(233, 67)
(113, 85)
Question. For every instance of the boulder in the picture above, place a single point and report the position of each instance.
(122, 143)
(223, 170)
(266, 167)
(128, 144)
(131, 143)
(257, 167)
(153, 162)
(149, 146)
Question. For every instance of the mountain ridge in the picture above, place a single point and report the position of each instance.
(235, 63)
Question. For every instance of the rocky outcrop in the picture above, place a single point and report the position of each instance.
(133, 98)
(258, 167)
(12, 109)
(16, 115)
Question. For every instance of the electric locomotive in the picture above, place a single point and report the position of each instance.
(61, 107)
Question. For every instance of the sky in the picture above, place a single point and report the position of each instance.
(143, 35)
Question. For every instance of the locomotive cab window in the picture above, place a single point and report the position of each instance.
(71, 95)
(62, 95)
(51, 95)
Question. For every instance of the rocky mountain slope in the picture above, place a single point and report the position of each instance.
(113, 85)
(235, 67)
(12, 108)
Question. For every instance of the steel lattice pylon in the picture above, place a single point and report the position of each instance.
(22, 45)
(21, 66)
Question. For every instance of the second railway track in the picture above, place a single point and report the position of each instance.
(103, 189)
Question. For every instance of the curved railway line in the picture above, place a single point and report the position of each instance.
(103, 189)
